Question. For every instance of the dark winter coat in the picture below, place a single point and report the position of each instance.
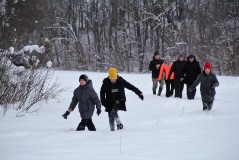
(152, 67)
(207, 88)
(106, 94)
(87, 98)
(192, 70)
(178, 69)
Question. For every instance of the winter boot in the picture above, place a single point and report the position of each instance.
(154, 91)
(210, 106)
(160, 91)
(120, 126)
(205, 104)
(90, 125)
(81, 126)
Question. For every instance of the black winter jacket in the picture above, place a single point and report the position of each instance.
(192, 70)
(86, 98)
(178, 69)
(207, 87)
(152, 67)
(106, 94)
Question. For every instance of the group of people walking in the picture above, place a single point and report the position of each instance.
(175, 74)
(181, 72)
(112, 93)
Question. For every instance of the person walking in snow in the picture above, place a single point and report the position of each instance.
(208, 82)
(164, 70)
(155, 66)
(87, 98)
(192, 71)
(112, 95)
(178, 69)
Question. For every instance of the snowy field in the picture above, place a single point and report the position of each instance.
(157, 128)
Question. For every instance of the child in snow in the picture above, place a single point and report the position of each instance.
(87, 98)
(112, 95)
(208, 82)
(165, 68)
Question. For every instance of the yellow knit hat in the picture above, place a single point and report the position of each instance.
(112, 73)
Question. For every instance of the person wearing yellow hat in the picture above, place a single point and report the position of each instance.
(112, 73)
(113, 98)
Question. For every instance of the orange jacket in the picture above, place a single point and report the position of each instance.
(165, 69)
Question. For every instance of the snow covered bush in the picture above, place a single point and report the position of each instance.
(22, 88)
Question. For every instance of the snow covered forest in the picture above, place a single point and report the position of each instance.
(96, 34)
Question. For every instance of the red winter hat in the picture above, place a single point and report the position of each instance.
(207, 65)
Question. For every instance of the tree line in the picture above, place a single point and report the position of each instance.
(96, 34)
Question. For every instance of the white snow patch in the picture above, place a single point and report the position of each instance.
(49, 64)
(156, 128)
(32, 48)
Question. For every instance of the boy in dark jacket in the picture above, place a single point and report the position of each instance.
(192, 71)
(87, 98)
(112, 95)
(208, 82)
(155, 66)
(178, 69)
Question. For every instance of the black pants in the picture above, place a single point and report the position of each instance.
(169, 87)
(88, 123)
(179, 85)
(192, 94)
(207, 105)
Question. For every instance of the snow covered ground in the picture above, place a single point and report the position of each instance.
(156, 128)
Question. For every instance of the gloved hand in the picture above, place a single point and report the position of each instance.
(141, 97)
(66, 114)
(98, 111)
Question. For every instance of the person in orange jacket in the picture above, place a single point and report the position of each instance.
(165, 69)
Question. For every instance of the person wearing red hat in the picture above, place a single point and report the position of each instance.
(208, 82)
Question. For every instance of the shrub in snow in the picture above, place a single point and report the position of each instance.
(23, 88)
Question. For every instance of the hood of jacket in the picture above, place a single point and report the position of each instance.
(193, 57)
